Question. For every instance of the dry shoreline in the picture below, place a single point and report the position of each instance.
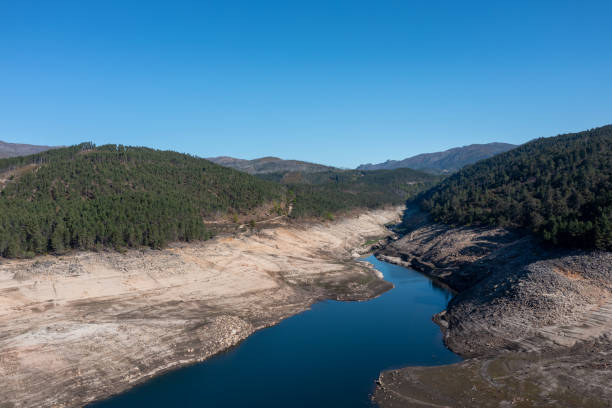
(81, 327)
(534, 323)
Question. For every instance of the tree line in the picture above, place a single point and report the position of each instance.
(114, 196)
(90, 197)
(559, 188)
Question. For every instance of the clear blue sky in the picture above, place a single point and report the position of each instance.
(340, 83)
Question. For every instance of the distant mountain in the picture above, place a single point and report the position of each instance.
(268, 165)
(16, 149)
(447, 161)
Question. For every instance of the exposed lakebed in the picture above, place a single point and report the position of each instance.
(328, 356)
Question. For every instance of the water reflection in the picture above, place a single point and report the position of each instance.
(441, 289)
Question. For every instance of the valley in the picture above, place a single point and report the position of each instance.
(83, 326)
(123, 263)
(305, 204)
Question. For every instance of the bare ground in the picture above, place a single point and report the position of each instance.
(535, 322)
(81, 327)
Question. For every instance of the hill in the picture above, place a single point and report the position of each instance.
(90, 197)
(16, 149)
(558, 187)
(268, 165)
(322, 194)
(447, 161)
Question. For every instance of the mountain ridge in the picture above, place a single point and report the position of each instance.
(268, 164)
(446, 161)
(21, 149)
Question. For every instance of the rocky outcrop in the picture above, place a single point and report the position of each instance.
(513, 295)
(83, 326)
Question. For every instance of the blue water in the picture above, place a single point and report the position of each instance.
(328, 356)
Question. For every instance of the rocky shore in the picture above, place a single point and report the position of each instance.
(84, 326)
(534, 323)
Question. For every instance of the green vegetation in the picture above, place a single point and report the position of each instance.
(112, 196)
(88, 197)
(265, 165)
(323, 194)
(559, 188)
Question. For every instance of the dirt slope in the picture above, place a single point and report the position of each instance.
(537, 322)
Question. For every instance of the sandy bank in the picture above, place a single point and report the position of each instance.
(81, 327)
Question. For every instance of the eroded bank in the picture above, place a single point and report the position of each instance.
(81, 327)
(535, 322)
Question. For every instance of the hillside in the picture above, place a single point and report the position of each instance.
(558, 187)
(447, 161)
(16, 149)
(89, 197)
(268, 165)
(322, 194)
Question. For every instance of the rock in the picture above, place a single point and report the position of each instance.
(513, 295)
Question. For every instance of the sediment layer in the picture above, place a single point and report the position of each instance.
(81, 327)
(535, 323)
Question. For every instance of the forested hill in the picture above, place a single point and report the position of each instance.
(444, 162)
(322, 194)
(558, 187)
(87, 197)
(265, 165)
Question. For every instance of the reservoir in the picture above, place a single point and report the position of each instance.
(328, 356)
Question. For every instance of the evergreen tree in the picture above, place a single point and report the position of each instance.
(559, 188)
